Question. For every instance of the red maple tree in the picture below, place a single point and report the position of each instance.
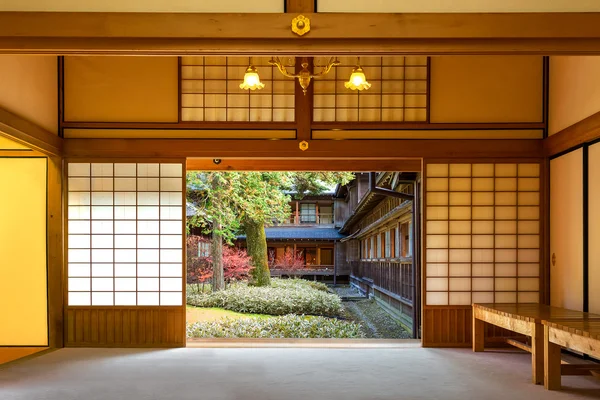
(289, 260)
(236, 263)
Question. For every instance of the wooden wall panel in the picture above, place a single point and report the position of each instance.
(566, 230)
(121, 89)
(124, 327)
(486, 89)
(452, 327)
(574, 90)
(30, 89)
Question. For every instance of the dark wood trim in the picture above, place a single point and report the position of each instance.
(29, 134)
(55, 252)
(586, 130)
(61, 94)
(288, 149)
(428, 91)
(586, 222)
(179, 93)
(331, 34)
(314, 125)
(545, 92)
(300, 6)
(303, 103)
(366, 165)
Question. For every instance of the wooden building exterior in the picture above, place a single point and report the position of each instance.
(498, 112)
(379, 248)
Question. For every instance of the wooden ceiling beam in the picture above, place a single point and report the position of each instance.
(357, 165)
(584, 131)
(24, 132)
(288, 149)
(352, 33)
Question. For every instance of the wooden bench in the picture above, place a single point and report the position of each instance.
(525, 319)
(582, 336)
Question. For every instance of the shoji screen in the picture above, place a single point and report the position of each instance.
(125, 241)
(482, 240)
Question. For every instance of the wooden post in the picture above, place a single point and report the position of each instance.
(478, 334)
(296, 219)
(537, 353)
(334, 263)
(317, 212)
(55, 253)
(552, 380)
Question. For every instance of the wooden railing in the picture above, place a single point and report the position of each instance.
(392, 276)
(321, 219)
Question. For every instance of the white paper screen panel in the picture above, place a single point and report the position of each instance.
(482, 239)
(398, 92)
(210, 90)
(125, 234)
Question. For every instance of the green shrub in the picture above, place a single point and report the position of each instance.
(279, 299)
(287, 326)
(298, 284)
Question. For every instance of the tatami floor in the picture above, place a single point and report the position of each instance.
(264, 374)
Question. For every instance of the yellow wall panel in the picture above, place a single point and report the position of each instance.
(7, 144)
(486, 89)
(121, 89)
(594, 228)
(23, 293)
(235, 6)
(574, 91)
(566, 230)
(30, 88)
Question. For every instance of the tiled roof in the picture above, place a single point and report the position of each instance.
(290, 233)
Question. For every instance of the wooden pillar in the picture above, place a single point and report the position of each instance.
(317, 212)
(334, 263)
(55, 252)
(552, 380)
(303, 102)
(318, 255)
(537, 353)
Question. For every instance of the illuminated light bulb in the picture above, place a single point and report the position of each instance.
(358, 80)
(251, 79)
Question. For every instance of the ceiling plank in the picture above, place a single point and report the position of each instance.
(185, 33)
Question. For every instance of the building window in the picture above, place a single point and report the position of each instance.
(204, 249)
(388, 251)
(308, 213)
(378, 246)
(326, 215)
(372, 248)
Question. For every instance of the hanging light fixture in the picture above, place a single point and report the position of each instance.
(251, 79)
(304, 76)
(358, 80)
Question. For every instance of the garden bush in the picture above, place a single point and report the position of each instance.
(298, 284)
(288, 326)
(292, 297)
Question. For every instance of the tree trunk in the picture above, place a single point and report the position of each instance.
(218, 282)
(256, 241)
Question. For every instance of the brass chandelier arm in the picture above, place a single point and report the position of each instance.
(275, 61)
(330, 64)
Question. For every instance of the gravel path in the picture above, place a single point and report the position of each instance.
(376, 322)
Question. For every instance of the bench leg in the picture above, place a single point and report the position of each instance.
(551, 362)
(537, 353)
(478, 334)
